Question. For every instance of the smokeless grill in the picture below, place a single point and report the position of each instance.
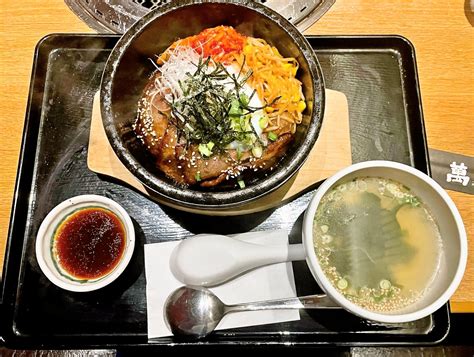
(116, 16)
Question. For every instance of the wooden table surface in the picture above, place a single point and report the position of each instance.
(440, 30)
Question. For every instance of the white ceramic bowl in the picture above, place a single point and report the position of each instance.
(54, 218)
(450, 224)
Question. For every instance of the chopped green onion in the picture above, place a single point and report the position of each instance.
(272, 136)
(385, 284)
(235, 124)
(263, 122)
(411, 200)
(198, 176)
(235, 109)
(239, 153)
(248, 139)
(342, 284)
(257, 151)
(204, 150)
(244, 99)
(247, 126)
(241, 183)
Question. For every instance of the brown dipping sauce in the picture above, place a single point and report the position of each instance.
(89, 243)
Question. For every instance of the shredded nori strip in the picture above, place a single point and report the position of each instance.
(201, 115)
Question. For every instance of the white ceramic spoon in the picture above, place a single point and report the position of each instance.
(211, 259)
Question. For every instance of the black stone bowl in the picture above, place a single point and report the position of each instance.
(129, 69)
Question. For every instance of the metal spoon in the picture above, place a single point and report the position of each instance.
(196, 311)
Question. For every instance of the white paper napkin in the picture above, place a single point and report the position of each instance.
(265, 283)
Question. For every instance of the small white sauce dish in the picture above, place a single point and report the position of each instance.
(44, 241)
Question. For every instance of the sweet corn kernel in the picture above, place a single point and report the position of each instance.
(269, 109)
(247, 49)
(301, 106)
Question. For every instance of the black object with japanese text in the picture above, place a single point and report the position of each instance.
(452, 171)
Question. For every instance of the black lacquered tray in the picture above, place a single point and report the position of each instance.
(378, 76)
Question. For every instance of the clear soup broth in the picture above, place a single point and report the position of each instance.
(377, 243)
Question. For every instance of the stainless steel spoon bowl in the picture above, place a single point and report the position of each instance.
(196, 311)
